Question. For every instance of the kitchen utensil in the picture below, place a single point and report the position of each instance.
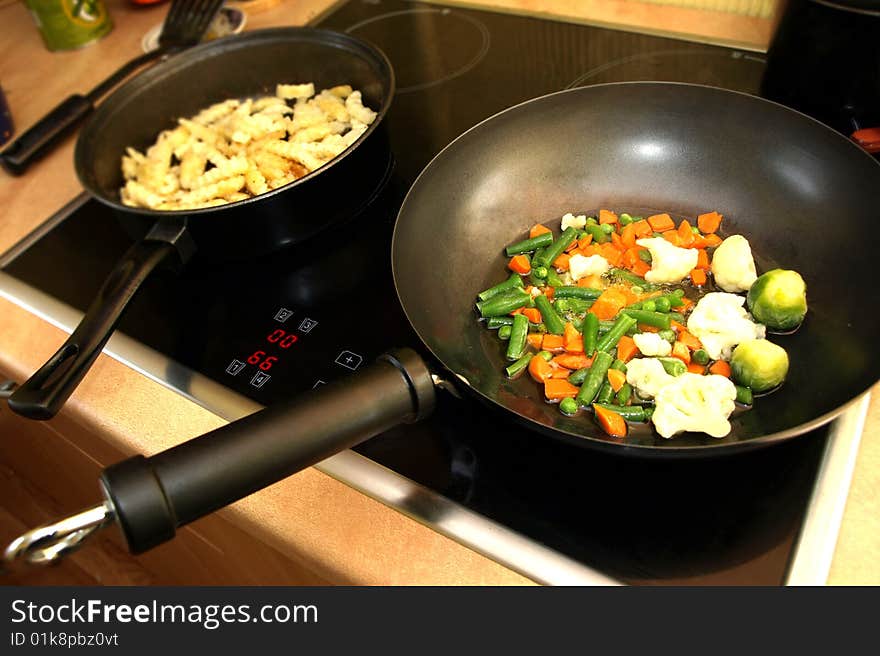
(802, 193)
(248, 65)
(184, 25)
(824, 60)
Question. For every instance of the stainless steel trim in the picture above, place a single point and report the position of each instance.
(815, 547)
(470, 529)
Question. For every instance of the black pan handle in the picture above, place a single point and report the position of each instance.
(40, 137)
(44, 393)
(152, 497)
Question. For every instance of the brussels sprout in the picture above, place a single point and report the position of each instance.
(759, 364)
(778, 299)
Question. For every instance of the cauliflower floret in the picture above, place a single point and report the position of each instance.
(647, 376)
(580, 266)
(733, 265)
(572, 221)
(668, 263)
(694, 403)
(721, 322)
(652, 344)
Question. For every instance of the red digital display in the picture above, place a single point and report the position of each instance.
(277, 337)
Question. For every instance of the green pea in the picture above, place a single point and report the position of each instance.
(700, 356)
(668, 335)
(625, 219)
(568, 406)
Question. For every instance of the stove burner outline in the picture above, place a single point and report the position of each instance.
(484, 46)
(657, 53)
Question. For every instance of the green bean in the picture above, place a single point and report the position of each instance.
(497, 322)
(673, 366)
(645, 255)
(553, 278)
(556, 249)
(700, 356)
(590, 331)
(662, 304)
(503, 304)
(594, 378)
(599, 235)
(577, 305)
(552, 320)
(504, 332)
(577, 377)
(628, 412)
(656, 319)
(606, 393)
(518, 333)
(529, 245)
(621, 325)
(546, 355)
(676, 316)
(633, 279)
(512, 282)
(570, 291)
(540, 272)
(744, 395)
(649, 411)
(568, 406)
(620, 365)
(519, 366)
(624, 394)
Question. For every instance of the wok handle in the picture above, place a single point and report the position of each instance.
(44, 393)
(36, 141)
(153, 496)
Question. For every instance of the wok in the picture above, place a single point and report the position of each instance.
(804, 196)
(133, 116)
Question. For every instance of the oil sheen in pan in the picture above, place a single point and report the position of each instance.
(524, 387)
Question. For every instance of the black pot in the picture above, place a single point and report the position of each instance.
(824, 61)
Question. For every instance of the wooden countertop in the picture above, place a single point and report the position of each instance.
(345, 535)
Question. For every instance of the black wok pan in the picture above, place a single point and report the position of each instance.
(804, 196)
(239, 67)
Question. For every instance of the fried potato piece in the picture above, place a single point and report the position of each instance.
(237, 149)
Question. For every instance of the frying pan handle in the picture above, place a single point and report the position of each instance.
(151, 497)
(36, 141)
(44, 393)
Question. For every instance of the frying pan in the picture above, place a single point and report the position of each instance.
(243, 66)
(803, 195)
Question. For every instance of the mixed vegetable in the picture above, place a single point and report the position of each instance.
(644, 320)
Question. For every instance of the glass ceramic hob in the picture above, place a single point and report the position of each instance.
(318, 311)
